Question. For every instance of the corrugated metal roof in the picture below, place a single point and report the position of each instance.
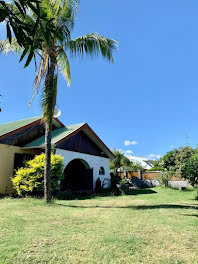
(57, 135)
(9, 127)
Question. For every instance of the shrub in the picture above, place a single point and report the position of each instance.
(164, 177)
(30, 179)
(156, 169)
(115, 179)
(124, 186)
(123, 182)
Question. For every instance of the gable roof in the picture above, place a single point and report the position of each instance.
(17, 126)
(62, 134)
(57, 135)
(143, 161)
(11, 126)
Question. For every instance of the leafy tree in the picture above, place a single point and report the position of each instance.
(181, 159)
(53, 46)
(191, 169)
(118, 161)
(176, 160)
(121, 161)
(168, 161)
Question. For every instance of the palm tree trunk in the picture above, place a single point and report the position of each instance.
(48, 118)
(47, 175)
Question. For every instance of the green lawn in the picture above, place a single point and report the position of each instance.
(156, 225)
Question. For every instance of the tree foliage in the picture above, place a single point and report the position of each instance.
(168, 161)
(118, 161)
(164, 177)
(122, 162)
(191, 169)
(182, 157)
(176, 160)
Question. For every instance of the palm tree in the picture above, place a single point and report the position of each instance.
(53, 54)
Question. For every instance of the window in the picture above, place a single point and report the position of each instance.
(101, 171)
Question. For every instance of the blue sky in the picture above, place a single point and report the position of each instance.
(147, 97)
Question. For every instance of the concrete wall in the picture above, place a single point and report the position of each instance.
(7, 166)
(178, 184)
(94, 162)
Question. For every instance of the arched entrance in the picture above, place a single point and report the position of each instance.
(77, 176)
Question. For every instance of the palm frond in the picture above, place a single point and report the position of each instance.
(63, 63)
(40, 74)
(92, 44)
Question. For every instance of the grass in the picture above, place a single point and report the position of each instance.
(158, 225)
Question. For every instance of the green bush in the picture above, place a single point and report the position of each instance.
(156, 169)
(115, 179)
(164, 177)
(30, 179)
(123, 182)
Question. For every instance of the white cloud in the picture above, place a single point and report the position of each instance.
(154, 156)
(128, 142)
(128, 152)
(125, 152)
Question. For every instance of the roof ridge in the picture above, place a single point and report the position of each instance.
(20, 120)
(78, 124)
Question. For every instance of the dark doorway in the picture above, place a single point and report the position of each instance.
(77, 176)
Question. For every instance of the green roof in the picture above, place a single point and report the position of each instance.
(9, 127)
(57, 135)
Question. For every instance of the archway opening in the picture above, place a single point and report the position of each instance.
(77, 176)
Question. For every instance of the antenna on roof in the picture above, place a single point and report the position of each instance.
(57, 112)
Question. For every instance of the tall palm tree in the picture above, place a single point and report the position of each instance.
(53, 54)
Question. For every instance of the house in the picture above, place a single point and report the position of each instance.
(86, 157)
(144, 162)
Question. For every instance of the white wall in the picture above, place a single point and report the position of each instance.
(94, 162)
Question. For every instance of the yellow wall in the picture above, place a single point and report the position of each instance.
(7, 166)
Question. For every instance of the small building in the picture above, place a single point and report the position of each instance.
(86, 157)
(144, 162)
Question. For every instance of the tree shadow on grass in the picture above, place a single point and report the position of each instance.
(140, 191)
(103, 193)
(194, 215)
(138, 207)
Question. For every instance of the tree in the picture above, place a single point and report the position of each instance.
(53, 46)
(13, 15)
(121, 161)
(176, 160)
(182, 157)
(118, 161)
(168, 161)
(191, 169)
